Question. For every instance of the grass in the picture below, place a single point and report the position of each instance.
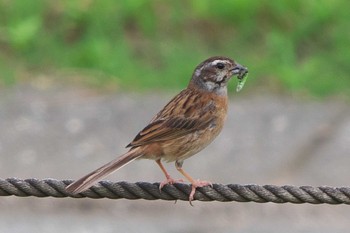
(288, 46)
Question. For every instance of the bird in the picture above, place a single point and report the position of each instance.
(185, 126)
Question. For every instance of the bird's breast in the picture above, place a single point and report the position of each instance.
(188, 145)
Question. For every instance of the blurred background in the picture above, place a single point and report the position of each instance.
(79, 79)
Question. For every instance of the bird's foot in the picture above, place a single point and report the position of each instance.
(169, 180)
(198, 184)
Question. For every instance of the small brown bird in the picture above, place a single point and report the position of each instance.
(186, 125)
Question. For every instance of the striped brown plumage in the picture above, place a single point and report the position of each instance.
(186, 125)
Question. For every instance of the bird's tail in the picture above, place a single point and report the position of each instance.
(95, 176)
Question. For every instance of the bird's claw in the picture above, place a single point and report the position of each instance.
(169, 180)
(195, 185)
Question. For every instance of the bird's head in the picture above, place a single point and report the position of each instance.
(214, 73)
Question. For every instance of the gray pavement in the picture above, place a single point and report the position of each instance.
(54, 131)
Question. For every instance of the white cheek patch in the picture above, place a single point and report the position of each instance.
(220, 78)
(210, 85)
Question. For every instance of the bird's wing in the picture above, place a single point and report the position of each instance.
(183, 115)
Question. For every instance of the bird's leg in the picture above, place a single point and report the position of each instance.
(195, 183)
(168, 180)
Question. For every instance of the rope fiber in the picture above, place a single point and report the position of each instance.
(149, 191)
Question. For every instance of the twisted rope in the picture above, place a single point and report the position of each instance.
(148, 191)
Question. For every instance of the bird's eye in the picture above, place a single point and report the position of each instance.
(220, 65)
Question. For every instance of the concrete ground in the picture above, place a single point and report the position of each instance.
(50, 131)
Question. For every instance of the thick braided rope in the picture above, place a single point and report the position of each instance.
(149, 191)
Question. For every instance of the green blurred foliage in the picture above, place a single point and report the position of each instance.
(300, 46)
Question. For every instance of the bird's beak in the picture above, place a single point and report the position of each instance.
(240, 71)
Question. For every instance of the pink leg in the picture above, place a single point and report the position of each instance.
(195, 183)
(168, 179)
